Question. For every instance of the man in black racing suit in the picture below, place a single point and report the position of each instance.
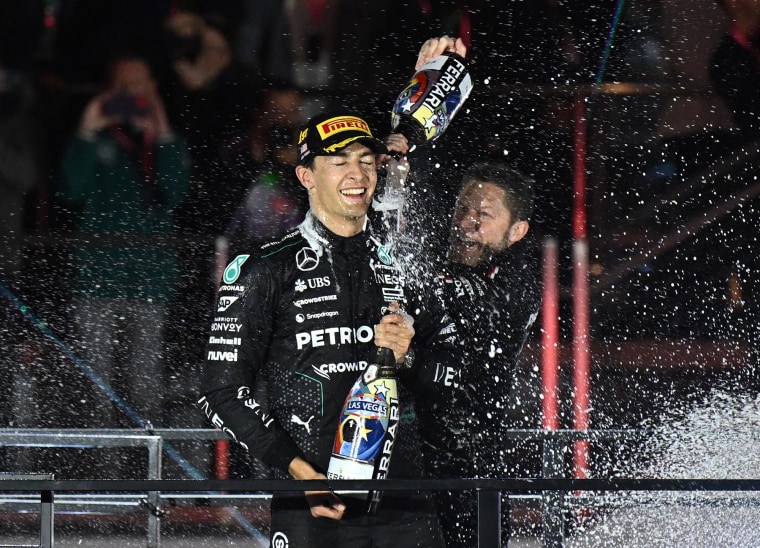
(306, 312)
(491, 287)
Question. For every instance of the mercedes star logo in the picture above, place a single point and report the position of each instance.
(307, 259)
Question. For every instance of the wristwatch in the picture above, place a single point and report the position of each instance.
(408, 360)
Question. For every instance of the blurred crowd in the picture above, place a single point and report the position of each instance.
(141, 140)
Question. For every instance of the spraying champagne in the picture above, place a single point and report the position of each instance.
(422, 112)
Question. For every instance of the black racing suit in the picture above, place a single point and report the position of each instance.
(494, 306)
(301, 313)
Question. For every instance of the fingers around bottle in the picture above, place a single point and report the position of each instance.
(325, 504)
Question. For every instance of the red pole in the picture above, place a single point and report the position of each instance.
(222, 459)
(579, 169)
(550, 336)
(581, 316)
(222, 447)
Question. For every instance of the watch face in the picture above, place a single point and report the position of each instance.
(409, 358)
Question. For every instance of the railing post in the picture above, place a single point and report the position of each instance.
(489, 519)
(552, 502)
(46, 504)
(154, 497)
(46, 519)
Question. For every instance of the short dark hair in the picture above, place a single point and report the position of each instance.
(308, 163)
(517, 186)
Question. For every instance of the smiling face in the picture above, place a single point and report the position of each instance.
(482, 224)
(341, 187)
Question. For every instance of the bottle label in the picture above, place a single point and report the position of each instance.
(432, 98)
(348, 468)
(370, 414)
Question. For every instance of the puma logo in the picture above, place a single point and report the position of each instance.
(296, 419)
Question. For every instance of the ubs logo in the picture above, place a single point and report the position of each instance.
(323, 281)
(307, 259)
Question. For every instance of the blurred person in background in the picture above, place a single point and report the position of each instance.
(21, 161)
(266, 159)
(735, 65)
(264, 39)
(313, 25)
(123, 173)
(735, 75)
(21, 170)
(210, 98)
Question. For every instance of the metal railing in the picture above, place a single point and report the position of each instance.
(554, 493)
(549, 492)
(45, 502)
(487, 490)
(93, 439)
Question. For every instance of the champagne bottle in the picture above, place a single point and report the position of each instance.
(431, 98)
(367, 428)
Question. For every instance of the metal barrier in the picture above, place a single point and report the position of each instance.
(488, 511)
(46, 505)
(553, 492)
(92, 438)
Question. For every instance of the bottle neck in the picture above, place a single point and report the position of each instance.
(386, 362)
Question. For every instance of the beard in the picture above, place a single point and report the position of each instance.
(472, 253)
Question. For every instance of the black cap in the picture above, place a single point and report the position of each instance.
(329, 133)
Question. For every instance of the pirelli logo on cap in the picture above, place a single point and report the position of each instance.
(331, 132)
(341, 123)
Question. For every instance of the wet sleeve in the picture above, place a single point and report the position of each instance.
(496, 325)
(489, 312)
(236, 352)
(439, 352)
